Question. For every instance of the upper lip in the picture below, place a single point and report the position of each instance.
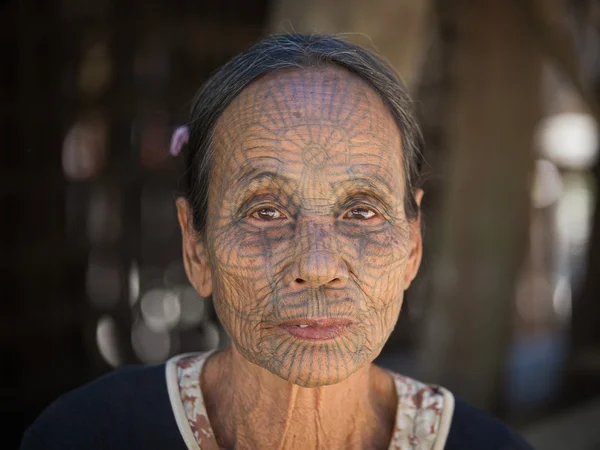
(325, 322)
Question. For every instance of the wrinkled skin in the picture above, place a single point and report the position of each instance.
(306, 219)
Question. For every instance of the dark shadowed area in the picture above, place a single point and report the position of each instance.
(505, 310)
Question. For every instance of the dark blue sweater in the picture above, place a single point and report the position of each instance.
(130, 409)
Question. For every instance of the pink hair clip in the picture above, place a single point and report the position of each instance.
(180, 137)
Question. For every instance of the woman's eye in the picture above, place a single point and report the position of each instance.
(361, 213)
(267, 214)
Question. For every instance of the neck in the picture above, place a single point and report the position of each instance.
(249, 407)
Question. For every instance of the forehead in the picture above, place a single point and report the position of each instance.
(325, 119)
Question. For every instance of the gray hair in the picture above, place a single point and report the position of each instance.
(285, 52)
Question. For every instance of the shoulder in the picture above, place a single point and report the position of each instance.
(473, 428)
(128, 408)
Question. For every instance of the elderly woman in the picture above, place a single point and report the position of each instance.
(300, 217)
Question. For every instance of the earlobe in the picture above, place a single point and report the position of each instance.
(204, 282)
(418, 198)
(195, 258)
(414, 259)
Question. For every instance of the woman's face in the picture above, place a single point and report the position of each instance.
(307, 241)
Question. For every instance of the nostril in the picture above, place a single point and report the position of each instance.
(299, 281)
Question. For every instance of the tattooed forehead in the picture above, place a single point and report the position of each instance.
(310, 122)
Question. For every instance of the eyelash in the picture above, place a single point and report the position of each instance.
(363, 208)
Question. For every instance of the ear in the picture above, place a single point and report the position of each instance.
(416, 244)
(195, 257)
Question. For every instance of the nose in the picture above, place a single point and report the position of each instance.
(319, 262)
(316, 269)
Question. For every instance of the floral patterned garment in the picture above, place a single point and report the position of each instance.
(422, 420)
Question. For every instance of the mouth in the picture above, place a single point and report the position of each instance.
(316, 329)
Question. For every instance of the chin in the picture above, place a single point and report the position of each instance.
(316, 366)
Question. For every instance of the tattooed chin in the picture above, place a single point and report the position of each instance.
(315, 353)
(310, 347)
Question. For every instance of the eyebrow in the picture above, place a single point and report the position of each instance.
(254, 174)
(373, 183)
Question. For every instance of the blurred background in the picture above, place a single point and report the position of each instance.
(505, 311)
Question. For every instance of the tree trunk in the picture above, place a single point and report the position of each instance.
(586, 308)
(493, 108)
(585, 325)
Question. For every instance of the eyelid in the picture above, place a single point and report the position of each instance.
(252, 201)
(367, 201)
(264, 205)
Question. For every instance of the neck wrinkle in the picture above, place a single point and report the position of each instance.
(250, 407)
(288, 419)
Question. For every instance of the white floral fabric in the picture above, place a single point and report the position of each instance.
(422, 419)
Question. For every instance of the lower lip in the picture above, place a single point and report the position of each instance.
(316, 333)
